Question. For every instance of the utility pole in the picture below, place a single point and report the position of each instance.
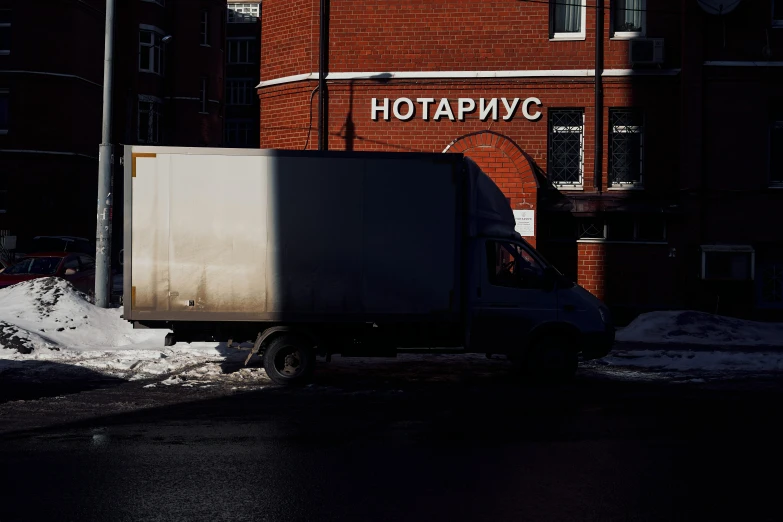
(105, 161)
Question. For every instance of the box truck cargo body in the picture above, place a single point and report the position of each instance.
(336, 252)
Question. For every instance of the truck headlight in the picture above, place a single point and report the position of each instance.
(605, 317)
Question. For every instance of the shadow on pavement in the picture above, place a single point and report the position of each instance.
(27, 380)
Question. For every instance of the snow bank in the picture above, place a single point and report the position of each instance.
(701, 361)
(48, 320)
(700, 328)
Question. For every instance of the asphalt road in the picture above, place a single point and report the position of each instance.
(389, 447)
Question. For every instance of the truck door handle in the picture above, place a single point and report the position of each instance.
(569, 308)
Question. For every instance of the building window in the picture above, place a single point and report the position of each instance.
(776, 153)
(243, 12)
(770, 285)
(4, 110)
(239, 133)
(202, 96)
(642, 228)
(777, 13)
(626, 147)
(205, 28)
(566, 146)
(239, 50)
(239, 91)
(150, 55)
(5, 31)
(149, 120)
(567, 19)
(727, 262)
(629, 18)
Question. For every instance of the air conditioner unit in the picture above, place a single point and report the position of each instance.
(646, 50)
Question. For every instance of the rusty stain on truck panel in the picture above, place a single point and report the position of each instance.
(140, 155)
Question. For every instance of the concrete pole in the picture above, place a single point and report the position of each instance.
(106, 157)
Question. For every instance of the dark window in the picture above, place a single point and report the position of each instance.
(776, 153)
(5, 31)
(150, 54)
(4, 110)
(204, 27)
(626, 146)
(241, 50)
(591, 228)
(726, 265)
(566, 17)
(512, 265)
(203, 95)
(566, 144)
(239, 133)
(651, 228)
(35, 265)
(621, 228)
(771, 285)
(629, 16)
(777, 11)
(149, 116)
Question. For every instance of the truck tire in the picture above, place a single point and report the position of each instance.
(289, 360)
(552, 358)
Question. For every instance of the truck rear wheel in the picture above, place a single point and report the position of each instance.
(289, 360)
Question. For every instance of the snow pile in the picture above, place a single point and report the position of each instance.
(48, 320)
(719, 361)
(700, 328)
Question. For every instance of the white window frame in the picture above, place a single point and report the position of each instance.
(776, 22)
(155, 108)
(237, 123)
(238, 91)
(629, 35)
(7, 94)
(773, 126)
(243, 12)
(736, 249)
(157, 45)
(236, 41)
(566, 184)
(4, 25)
(204, 28)
(574, 36)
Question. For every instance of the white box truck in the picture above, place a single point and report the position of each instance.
(319, 253)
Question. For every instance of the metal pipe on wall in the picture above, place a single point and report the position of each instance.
(323, 44)
(599, 95)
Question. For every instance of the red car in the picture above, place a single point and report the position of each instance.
(77, 268)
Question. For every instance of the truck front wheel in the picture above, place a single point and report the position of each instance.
(552, 359)
(289, 360)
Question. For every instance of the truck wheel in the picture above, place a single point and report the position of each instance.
(552, 359)
(289, 360)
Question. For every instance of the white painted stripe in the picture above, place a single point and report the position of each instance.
(59, 75)
(729, 63)
(50, 152)
(445, 75)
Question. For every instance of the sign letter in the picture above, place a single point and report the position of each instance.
(425, 103)
(465, 106)
(396, 109)
(376, 108)
(485, 109)
(444, 109)
(510, 109)
(526, 109)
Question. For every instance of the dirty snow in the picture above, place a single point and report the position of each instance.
(690, 361)
(48, 321)
(689, 327)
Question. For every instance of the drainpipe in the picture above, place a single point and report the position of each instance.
(599, 95)
(323, 121)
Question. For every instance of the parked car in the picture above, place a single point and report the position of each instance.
(78, 269)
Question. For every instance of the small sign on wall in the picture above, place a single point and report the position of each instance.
(525, 222)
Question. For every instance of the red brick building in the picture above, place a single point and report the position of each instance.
(168, 91)
(647, 183)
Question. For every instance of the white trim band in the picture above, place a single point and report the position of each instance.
(467, 75)
(50, 152)
(58, 75)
